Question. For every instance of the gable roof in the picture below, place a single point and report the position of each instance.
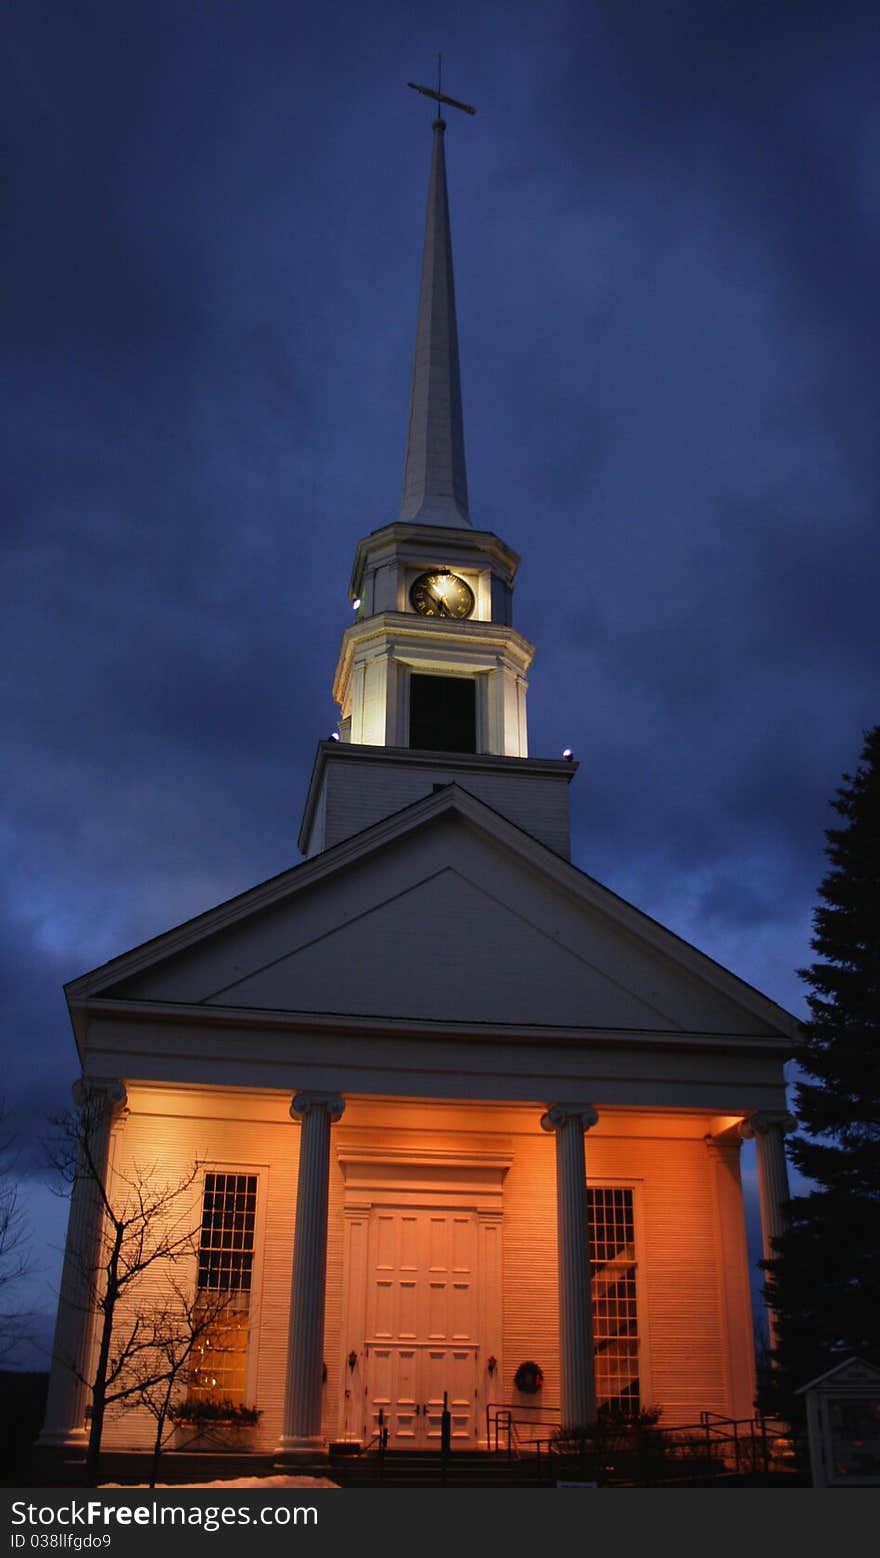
(443, 910)
(852, 1371)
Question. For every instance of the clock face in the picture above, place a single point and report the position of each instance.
(441, 594)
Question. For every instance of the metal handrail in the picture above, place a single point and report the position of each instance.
(742, 1443)
(498, 1418)
(501, 1422)
(380, 1440)
(694, 1454)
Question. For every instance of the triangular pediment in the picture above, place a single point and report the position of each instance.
(444, 913)
(442, 947)
(852, 1374)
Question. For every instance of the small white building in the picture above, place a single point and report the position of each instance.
(456, 1106)
(843, 1425)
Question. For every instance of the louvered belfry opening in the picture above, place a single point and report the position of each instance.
(442, 714)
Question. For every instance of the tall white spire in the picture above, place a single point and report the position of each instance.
(434, 474)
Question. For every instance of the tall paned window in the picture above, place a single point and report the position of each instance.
(225, 1274)
(615, 1313)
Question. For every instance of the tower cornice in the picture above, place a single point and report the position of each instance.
(418, 544)
(409, 639)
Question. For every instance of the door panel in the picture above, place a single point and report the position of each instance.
(393, 1374)
(434, 1377)
(421, 1318)
(461, 1378)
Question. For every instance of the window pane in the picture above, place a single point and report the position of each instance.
(613, 1282)
(225, 1271)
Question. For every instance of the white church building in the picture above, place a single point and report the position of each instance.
(455, 1106)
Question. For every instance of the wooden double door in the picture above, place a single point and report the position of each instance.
(422, 1313)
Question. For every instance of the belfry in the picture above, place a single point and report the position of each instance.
(465, 1126)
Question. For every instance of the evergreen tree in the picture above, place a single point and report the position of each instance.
(825, 1282)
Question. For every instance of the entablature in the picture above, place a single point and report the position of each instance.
(424, 546)
(468, 646)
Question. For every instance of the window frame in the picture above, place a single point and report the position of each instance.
(635, 1188)
(260, 1173)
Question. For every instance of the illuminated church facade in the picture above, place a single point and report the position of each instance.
(456, 1107)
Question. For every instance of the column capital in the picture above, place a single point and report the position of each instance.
(110, 1094)
(304, 1103)
(558, 1115)
(765, 1121)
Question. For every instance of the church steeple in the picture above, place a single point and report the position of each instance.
(431, 679)
(434, 475)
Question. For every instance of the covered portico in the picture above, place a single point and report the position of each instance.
(502, 1180)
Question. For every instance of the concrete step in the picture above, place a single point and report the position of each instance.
(410, 1469)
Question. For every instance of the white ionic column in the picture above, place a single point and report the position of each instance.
(301, 1435)
(577, 1383)
(100, 1105)
(768, 1131)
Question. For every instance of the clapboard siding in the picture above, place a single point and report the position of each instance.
(530, 1285)
(356, 793)
(680, 1276)
(680, 1310)
(166, 1148)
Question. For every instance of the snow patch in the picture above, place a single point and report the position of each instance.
(236, 1482)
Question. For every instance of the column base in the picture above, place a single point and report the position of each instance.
(293, 1453)
(62, 1439)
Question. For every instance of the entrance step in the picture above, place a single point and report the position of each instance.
(413, 1469)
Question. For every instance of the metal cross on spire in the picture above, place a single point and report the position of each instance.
(438, 95)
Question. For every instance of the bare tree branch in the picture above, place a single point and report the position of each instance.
(147, 1223)
(15, 1256)
(165, 1367)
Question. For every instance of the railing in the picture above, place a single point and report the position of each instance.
(500, 1425)
(513, 1428)
(758, 1444)
(378, 1444)
(626, 1454)
(742, 1443)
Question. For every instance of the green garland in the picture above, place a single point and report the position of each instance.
(219, 1412)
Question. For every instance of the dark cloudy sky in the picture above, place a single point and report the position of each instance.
(666, 224)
